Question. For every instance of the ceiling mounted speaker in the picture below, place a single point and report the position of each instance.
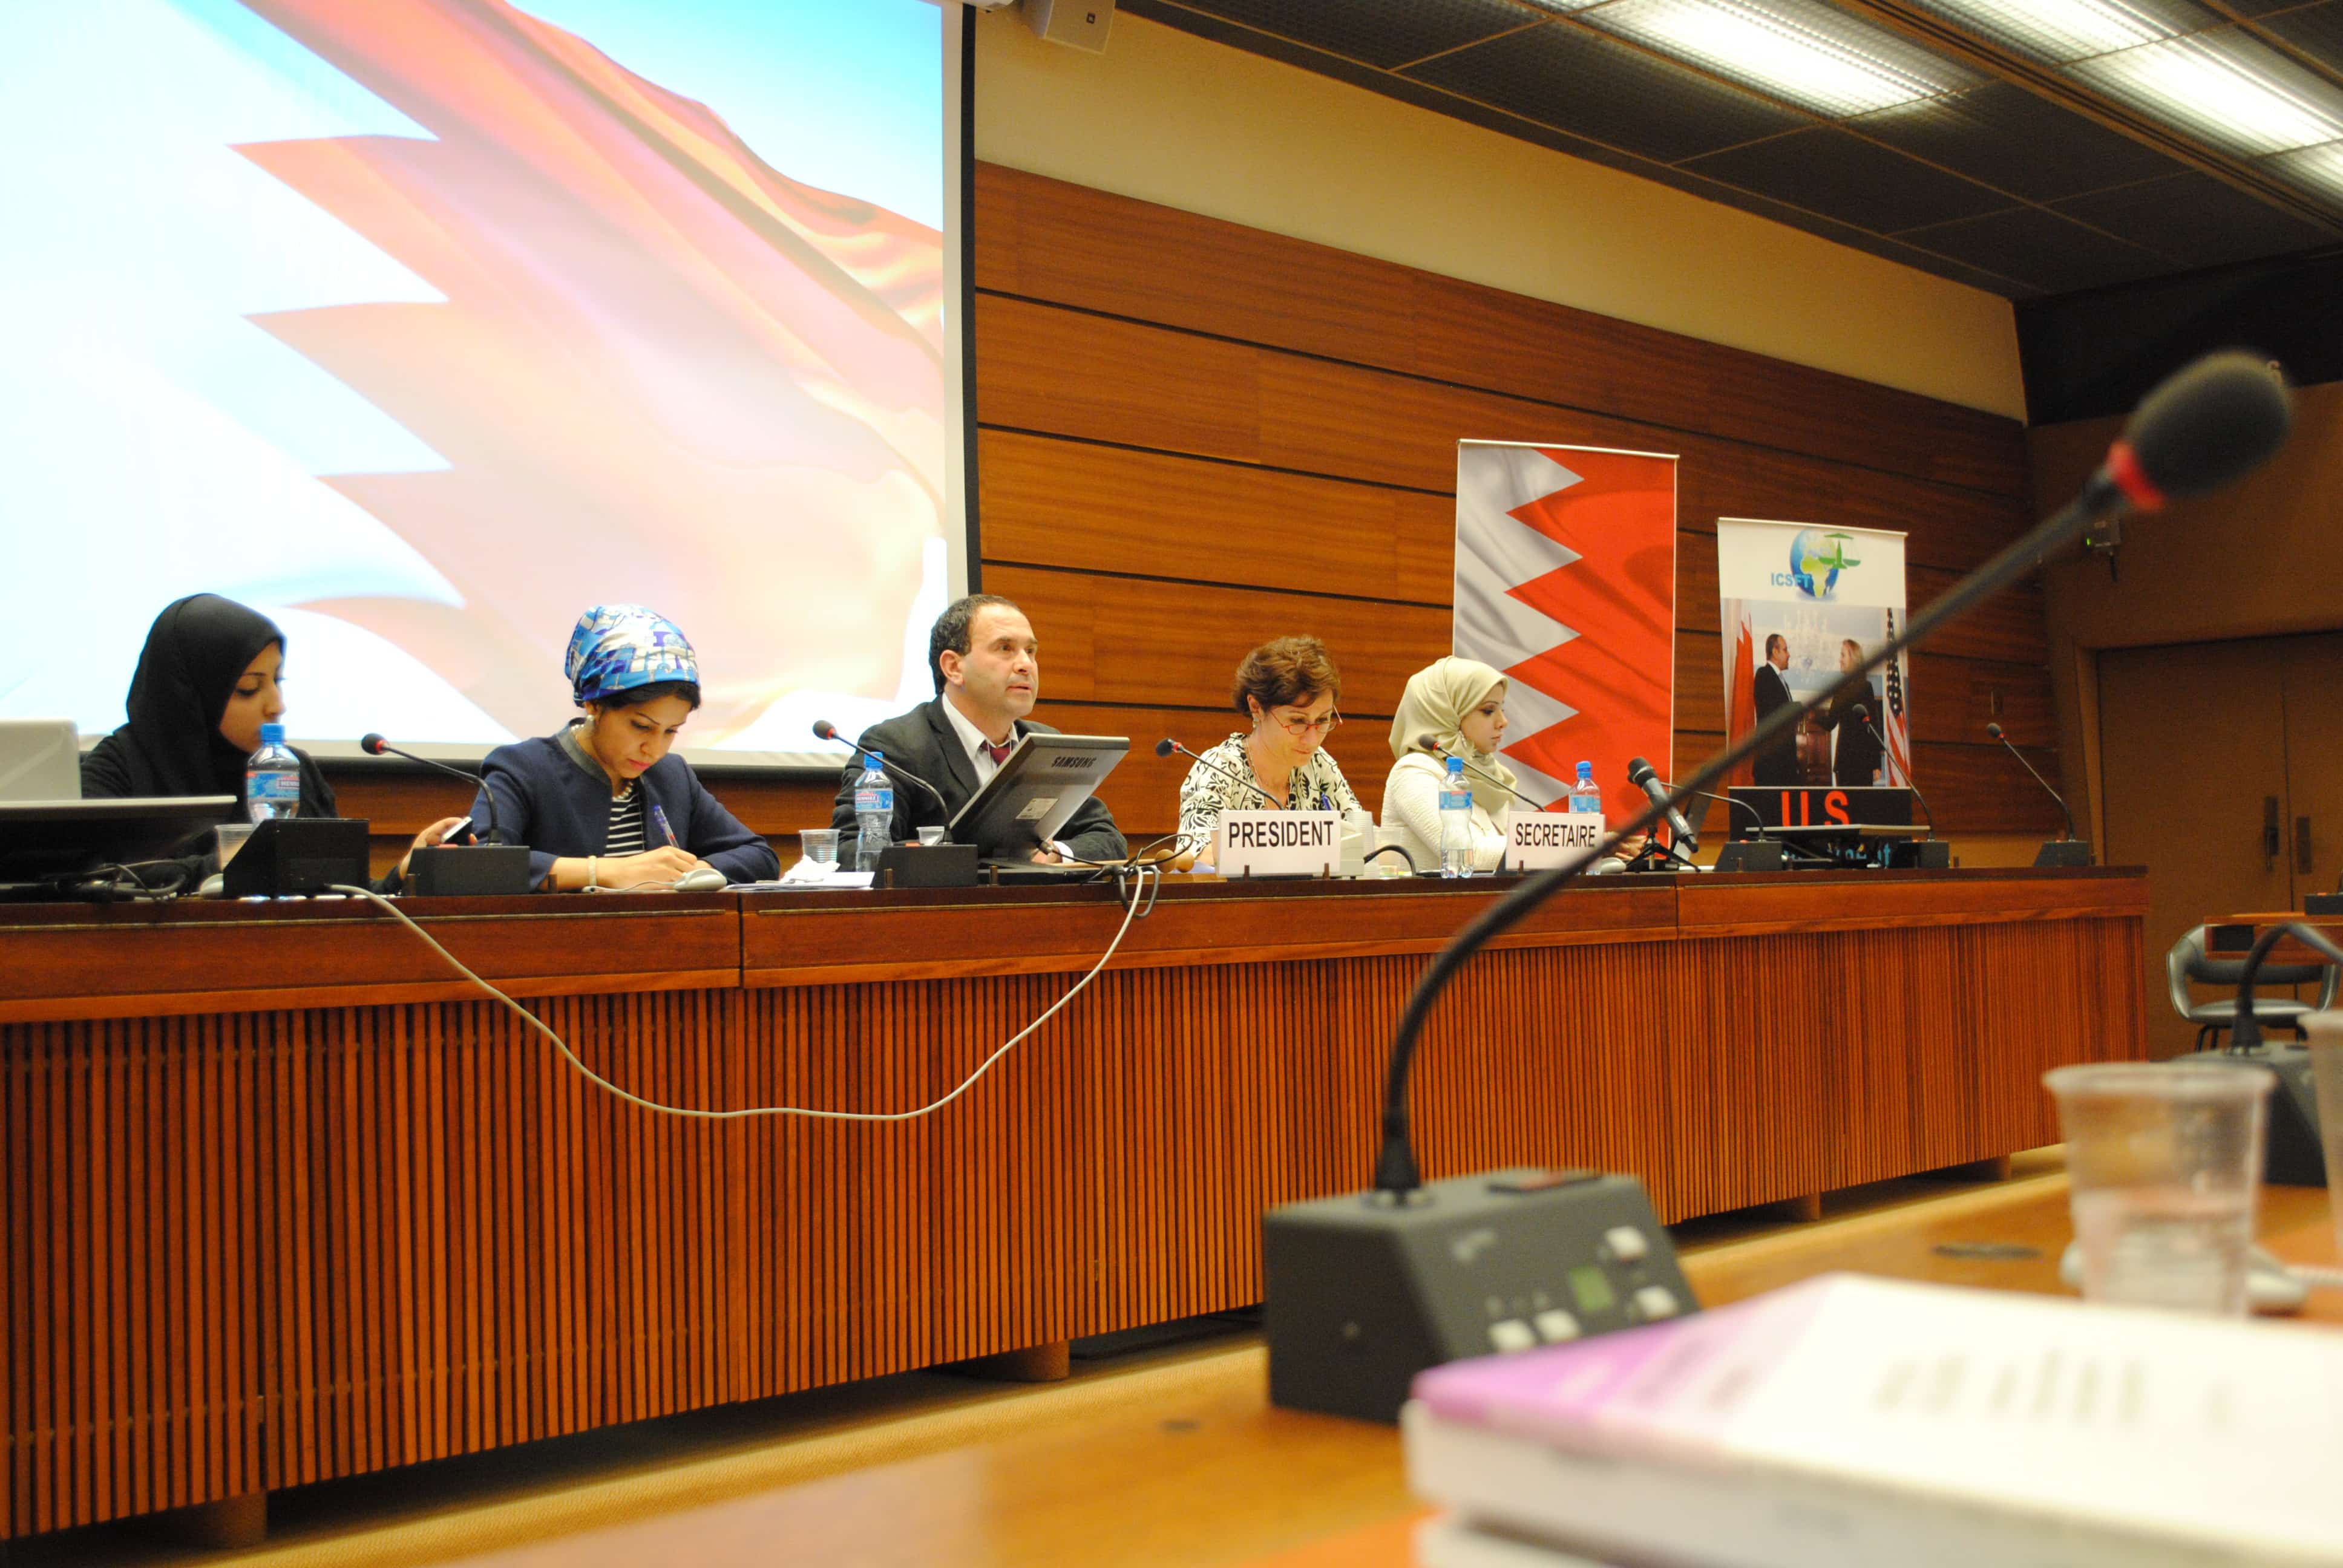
(1080, 23)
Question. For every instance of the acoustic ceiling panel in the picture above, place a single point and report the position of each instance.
(2007, 137)
(1385, 36)
(1826, 170)
(2315, 30)
(2041, 250)
(1567, 78)
(2195, 220)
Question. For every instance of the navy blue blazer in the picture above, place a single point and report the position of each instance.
(555, 807)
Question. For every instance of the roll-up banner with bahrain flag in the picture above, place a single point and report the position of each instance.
(1567, 581)
(1802, 602)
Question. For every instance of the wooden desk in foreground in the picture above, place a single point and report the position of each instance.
(1184, 1465)
(284, 1203)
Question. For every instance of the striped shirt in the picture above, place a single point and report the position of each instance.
(626, 832)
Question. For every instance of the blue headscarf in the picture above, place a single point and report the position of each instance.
(619, 647)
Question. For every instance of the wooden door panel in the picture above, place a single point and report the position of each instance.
(2165, 715)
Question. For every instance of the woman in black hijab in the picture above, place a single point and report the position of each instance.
(210, 676)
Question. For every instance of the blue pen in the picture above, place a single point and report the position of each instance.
(658, 820)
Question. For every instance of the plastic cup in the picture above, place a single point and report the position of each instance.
(820, 845)
(930, 836)
(2325, 1031)
(2166, 1165)
(229, 837)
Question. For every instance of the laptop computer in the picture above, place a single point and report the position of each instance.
(40, 759)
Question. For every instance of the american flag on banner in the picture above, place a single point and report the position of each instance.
(1899, 733)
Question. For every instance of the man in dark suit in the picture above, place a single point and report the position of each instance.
(986, 668)
(1778, 763)
(1856, 756)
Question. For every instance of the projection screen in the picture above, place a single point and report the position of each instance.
(420, 326)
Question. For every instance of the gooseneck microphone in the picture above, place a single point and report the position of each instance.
(2213, 423)
(1994, 730)
(1167, 746)
(825, 730)
(1862, 712)
(376, 746)
(1646, 778)
(1429, 744)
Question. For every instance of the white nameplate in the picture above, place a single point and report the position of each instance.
(1536, 839)
(1278, 843)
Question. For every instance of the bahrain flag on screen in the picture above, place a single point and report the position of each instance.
(1567, 581)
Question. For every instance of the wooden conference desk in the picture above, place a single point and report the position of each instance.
(284, 1201)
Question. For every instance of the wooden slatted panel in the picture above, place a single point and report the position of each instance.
(255, 1250)
(1046, 239)
(1047, 370)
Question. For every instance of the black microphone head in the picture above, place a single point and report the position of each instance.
(824, 730)
(371, 745)
(1993, 729)
(2211, 424)
(1639, 771)
(1862, 712)
(1165, 747)
(1428, 742)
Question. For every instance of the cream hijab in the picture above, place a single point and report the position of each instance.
(1437, 699)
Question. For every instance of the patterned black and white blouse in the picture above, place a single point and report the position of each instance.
(1317, 785)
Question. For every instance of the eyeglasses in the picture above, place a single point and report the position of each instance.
(1298, 726)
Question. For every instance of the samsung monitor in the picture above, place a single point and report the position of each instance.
(1040, 784)
(52, 840)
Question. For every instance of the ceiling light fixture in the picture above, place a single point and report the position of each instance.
(2057, 31)
(2230, 90)
(1799, 51)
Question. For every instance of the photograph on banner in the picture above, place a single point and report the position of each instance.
(1800, 605)
(1566, 584)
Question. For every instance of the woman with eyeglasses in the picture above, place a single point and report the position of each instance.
(1287, 689)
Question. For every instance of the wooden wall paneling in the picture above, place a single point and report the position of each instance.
(1122, 640)
(1083, 247)
(1072, 245)
(1041, 368)
(1046, 501)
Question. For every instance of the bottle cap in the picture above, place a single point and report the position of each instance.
(875, 758)
(1456, 764)
(1586, 771)
(272, 735)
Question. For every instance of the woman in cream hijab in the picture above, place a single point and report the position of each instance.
(1460, 703)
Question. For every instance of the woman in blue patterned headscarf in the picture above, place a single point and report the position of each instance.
(602, 803)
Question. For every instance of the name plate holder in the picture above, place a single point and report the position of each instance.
(1537, 839)
(1278, 843)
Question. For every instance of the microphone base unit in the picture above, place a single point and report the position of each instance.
(2065, 853)
(927, 866)
(1918, 855)
(288, 855)
(1750, 855)
(1363, 1290)
(2292, 1154)
(467, 871)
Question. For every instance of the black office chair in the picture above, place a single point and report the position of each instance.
(2187, 963)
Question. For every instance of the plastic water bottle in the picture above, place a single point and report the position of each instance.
(874, 811)
(272, 778)
(1455, 822)
(1583, 795)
